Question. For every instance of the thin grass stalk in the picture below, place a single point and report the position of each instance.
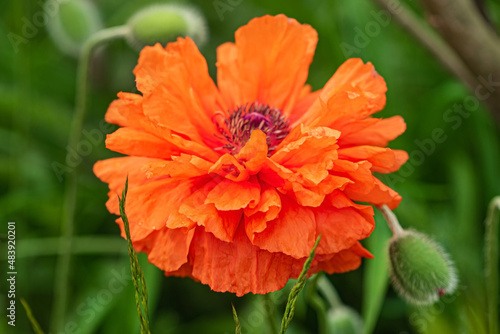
(141, 291)
(297, 288)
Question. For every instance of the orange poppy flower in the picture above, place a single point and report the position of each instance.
(232, 184)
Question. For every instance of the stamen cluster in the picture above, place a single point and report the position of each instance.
(238, 127)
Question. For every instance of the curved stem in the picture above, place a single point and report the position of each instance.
(491, 250)
(327, 289)
(317, 302)
(391, 219)
(70, 191)
(269, 306)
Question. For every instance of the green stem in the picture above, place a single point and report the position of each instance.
(317, 302)
(391, 220)
(492, 279)
(269, 306)
(70, 191)
(326, 288)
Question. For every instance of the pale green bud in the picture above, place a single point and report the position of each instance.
(72, 22)
(344, 320)
(421, 270)
(164, 23)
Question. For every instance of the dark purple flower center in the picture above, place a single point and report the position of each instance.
(237, 128)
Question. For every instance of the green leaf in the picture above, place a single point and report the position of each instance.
(376, 277)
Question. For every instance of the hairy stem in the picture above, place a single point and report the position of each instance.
(391, 219)
(71, 187)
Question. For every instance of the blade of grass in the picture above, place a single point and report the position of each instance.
(376, 275)
(141, 291)
(491, 250)
(236, 321)
(297, 288)
(36, 327)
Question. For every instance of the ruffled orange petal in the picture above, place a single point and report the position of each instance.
(152, 205)
(126, 110)
(305, 145)
(344, 261)
(167, 249)
(382, 159)
(115, 171)
(347, 101)
(360, 75)
(229, 195)
(267, 209)
(184, 166)
(304, 102)
(254, 154)
(238, 266)
(371, 131)
(178, 92)
(336, 235)
(268, 62)
(229, 167)
(353, 80)
(139, 143)
(292, 233)
(359, 173)
(380, 194)
(222, 224)
(155, 62)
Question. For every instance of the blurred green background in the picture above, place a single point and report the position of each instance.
(445, 186)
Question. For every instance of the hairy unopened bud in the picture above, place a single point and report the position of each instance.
(71, 23)
(344, 320)
(421, 270)
(164, 23)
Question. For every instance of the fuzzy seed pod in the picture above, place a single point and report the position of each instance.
(164, 23)
(421, 270)
(71, 23)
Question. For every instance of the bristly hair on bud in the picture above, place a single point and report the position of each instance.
(73, 22)
(421, 270)
(164, 23)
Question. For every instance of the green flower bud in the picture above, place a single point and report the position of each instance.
(421, 270)
(164, 23)
(72, 23)
(344, 320)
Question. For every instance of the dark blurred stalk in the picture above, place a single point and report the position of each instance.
(474, 41)
(71, 187)
(492, 267)
(466, 44)
(430, 39)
